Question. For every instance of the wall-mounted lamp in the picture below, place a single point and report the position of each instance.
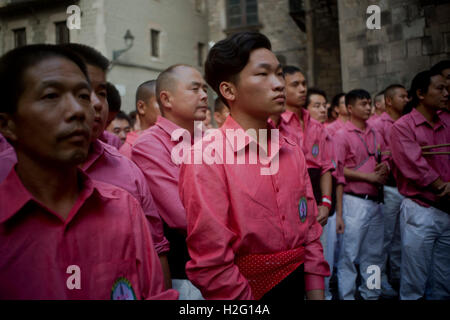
(129, 40)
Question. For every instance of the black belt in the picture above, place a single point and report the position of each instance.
(438, 205)
(363, 196)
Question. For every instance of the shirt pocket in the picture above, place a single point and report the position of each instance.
(115, 280)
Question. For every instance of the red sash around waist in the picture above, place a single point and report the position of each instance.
(265, 271)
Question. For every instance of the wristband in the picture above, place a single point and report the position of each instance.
(327, 199)
(326, 204)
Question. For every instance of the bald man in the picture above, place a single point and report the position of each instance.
(182, 96)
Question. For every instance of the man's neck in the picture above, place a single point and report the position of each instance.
(247, 121)
(185, 124)
(359, 123)
(379, 112)
(342, 118)
(393, 113)
(428, 112)
(55, 186)
(276, 118)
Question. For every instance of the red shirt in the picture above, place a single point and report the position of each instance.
(335, 126)
(152, 153)
(352, 147)
(313, 140)
(106, 164)
(383, 124)
(417, 171)
(125, 149)
(111, 139)
(104, 236)
(233, 211)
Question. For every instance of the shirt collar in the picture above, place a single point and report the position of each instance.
(386, 117)
(420, 119)
(351, 127)
(166, 125)
(14, 193)
(95, 151)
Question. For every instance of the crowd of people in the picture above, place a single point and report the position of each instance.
(298, 197)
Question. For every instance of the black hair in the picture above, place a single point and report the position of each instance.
(336, 98)
(15, 63)
(354, 95)
(421, 82)
(389, 91)
(228, 57)
(145, 91)
(379, 95)
(113, 97)
(218, 105)
(89, 55)
(291, 70)
(123, 116)
(440, 66)
(132, 117)
(312, 91)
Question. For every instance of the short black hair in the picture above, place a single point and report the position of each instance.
(228, 57)
(291, 70)
(379, 95)
(389, 91)
(123, 116)
(145, 91)
(312, 91)
(15, 63)
(440, 66)
(336, 98)
(356, 94)
(421, 82)
(113, 97)
(89, 55)
(132, 116)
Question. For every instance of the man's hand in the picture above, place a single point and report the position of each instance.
(377, 177)
(382, 168)
(445, 190)
(322, 216)
(315, 295)
(340, 225)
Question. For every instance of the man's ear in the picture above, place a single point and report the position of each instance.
(228, 91)
(166, 99)
(7, 127)
(140, 107)
(420, 94)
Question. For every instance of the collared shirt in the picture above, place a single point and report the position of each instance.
(111, 139)
(106, 164)
(3, 143)
(125, 149)
(417, 171)
(313, 140)
(335, 126)
(233, 210)
(152, 153)
(352, 148)
(101, 245)
(383, 124)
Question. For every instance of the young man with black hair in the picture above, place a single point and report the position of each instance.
(379, 106)
(443, 67)
(396, 98)
(147, 109)
(358, 213)
(252, 227)
(120, 126)
(106, 164)
(182, 96)
(114, 104)
(316, 104)
(57, 226)
(338, 103)
(418, 144)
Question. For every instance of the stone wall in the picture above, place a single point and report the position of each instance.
(414, 35)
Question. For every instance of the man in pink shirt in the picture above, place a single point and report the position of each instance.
(114, 104)
(56, 224)
(147, 109)
(396, 98)
(379, 107)
(360, 176)
(182, 96)
(4, 144)
(316, 104)
(339, 104)
(252, 228)
(423, 177)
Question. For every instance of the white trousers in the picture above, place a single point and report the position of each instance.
(425, 252)
(331, 250)
(392, 244)
(186, 289)
(362, 242)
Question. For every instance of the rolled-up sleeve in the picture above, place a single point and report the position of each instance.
(340, 151)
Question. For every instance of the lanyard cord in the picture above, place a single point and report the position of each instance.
(367, 148)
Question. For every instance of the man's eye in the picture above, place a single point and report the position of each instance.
(50, 96)
(102, 94)
(262, 74)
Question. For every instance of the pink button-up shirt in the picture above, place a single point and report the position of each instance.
(104, 238)
(352, 147)
(111, 139)
(313, 140)
(106, 164)
(383, 124)
(125, 149)
(3, 143)
(233, 210)
(335, 126)
(152, 153)
(417, 171)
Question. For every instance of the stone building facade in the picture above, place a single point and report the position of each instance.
(180, 33)
(414, 35)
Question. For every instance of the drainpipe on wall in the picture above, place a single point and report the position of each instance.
(309, 42)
